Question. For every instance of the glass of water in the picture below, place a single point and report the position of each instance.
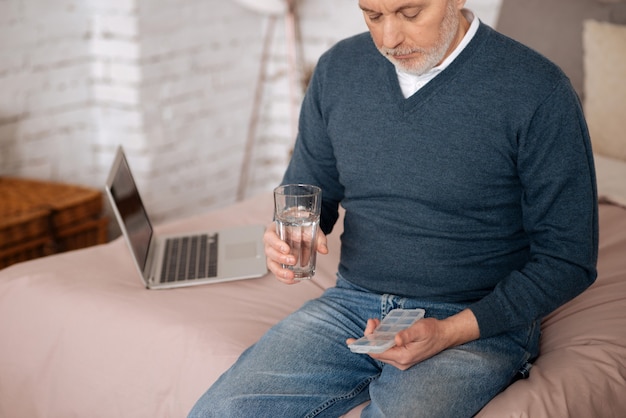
(297, 214)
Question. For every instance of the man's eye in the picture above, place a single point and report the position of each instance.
(374, 17)
(411, 16)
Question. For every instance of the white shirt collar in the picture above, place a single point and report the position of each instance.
(411, 83)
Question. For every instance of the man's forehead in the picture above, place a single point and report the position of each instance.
(392, 4)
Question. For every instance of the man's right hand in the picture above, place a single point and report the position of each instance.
(278, 253)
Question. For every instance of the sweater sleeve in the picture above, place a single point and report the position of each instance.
(313, 161)
(560, 215)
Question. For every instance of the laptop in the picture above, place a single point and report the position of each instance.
(180, 260)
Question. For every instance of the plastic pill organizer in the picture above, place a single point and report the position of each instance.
(383, 336)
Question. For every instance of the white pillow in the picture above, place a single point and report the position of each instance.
(611, 178)
(604, 46)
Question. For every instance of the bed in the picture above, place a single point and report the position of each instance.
(81, 337)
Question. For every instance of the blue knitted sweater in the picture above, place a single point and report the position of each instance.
(478, 189)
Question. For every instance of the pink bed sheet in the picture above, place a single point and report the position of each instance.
(81, 337)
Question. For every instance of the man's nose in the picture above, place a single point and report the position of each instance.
(392, 33)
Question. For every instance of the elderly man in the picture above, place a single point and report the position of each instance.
(464, 165)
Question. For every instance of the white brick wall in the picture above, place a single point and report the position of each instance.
(45, 89)
(171, 80)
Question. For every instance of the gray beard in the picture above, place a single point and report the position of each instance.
(432, 56)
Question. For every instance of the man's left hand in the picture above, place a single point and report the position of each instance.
(426, 338)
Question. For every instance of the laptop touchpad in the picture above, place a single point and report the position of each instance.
(237, 251)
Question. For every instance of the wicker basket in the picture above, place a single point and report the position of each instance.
(80, 236)
(22, 252)
(40, 218)
(19, 227)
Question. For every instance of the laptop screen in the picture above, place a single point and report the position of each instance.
(132, 211)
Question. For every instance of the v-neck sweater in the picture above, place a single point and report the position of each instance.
(479, 189)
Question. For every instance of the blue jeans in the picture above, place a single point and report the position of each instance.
(303, 368)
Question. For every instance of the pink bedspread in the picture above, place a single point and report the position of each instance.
(81, 337)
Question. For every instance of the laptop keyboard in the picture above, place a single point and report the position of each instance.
(188, 258)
